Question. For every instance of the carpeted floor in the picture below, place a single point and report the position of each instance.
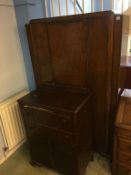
(18, 164)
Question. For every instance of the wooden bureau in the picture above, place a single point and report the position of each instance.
(58, 123)
(122, 136)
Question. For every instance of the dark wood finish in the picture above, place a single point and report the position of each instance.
(122, 136)
(117, 40)
(82, 51)
(128, 77)
(122, 170)
(58, 123)
(126, 71)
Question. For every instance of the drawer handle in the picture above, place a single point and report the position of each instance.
(37, 108)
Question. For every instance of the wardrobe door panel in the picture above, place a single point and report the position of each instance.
(68, 42)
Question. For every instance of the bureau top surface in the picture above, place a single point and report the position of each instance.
(57, 98)
(123, 118)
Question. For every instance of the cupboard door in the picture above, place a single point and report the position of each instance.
(65, 160)
(40, 147)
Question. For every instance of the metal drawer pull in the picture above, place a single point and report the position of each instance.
(38, 108)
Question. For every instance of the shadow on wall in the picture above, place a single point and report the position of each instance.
(26, 10)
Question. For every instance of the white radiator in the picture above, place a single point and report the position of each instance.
(12, 124)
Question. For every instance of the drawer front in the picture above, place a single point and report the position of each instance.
(48, 118)
(123, 133)
(124, 145)
(124, 158)
(44, 133)
(59, 137)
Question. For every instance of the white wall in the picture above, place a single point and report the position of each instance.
(24, 14)
(12, 70)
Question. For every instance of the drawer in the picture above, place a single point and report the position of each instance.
(124, 158)
(40, 133)
(58, 136)
(48, 118)
(123, 133)
(124, 145)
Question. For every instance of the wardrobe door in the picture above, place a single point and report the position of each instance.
(68, 48)
(100, 36)
(40, 53)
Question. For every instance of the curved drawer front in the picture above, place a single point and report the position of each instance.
(48, 118)
(123, 133)
(45, 133)
(124, 158)
(124, 145)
